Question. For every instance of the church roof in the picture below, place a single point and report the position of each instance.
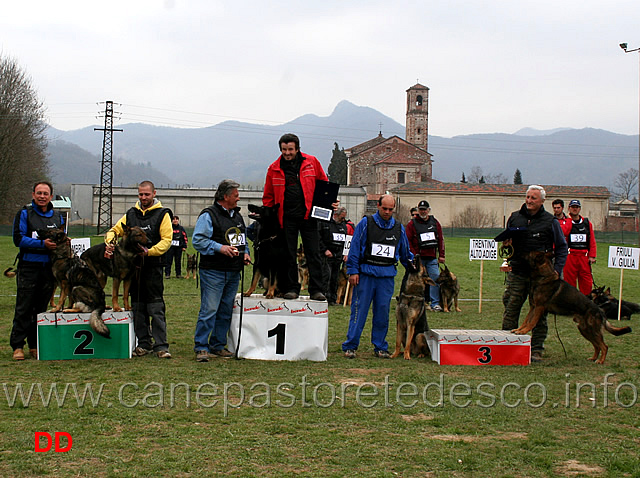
(418, 86)
(372, 143)
(398, 158)
(504, 189)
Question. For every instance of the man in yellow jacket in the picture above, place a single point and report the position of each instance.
(147, 287)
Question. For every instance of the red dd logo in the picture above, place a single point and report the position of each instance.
(55, 441)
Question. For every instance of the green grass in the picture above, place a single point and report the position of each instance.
(518, 420)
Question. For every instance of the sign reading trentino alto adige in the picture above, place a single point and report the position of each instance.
(483, 250)
(624, 257)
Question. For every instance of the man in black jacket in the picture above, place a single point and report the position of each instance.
(174, 254)
(332, 238)
(534, 230)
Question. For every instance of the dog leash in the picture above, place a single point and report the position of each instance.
(237, 357)
(555, 324)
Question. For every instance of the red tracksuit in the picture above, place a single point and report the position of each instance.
(582, 245)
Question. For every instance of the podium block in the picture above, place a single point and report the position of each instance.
(478, 347)
(278, 329)
(70, 337)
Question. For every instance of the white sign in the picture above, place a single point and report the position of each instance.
(347, 245)
(277, 329)
(483, 250)
(623, 257)
(78, 246)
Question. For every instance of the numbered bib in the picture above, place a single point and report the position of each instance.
(383, 250)
(427, 236)
(578, 238)
(338, 237)
(237, 240)
(347, 245)
(175, 243)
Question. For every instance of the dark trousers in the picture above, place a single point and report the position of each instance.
(35, 284)
(334, 264)
(147, 305)
(308, 231)
(515, 294)
(174, 254)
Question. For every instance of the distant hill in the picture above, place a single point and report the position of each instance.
(242, 151)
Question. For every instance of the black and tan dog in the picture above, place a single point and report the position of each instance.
(411, 314)
(192, 266)
(551, 294)
(449, 290)
(120, 266)
(61, 261)
(610, 305)
(343, 281)
(76, 280)
(303, 268)
(269, 250)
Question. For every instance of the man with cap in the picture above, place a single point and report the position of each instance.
(426, 240)
(582, 250)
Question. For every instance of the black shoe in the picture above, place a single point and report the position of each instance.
(318, 296)
(536, 357)
(291, 295)
(381, 354)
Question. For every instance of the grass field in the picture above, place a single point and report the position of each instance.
(362, 417)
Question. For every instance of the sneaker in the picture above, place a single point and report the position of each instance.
(33, 353)
(536, 357)
(164, 354)
(350, 354)
(202, 356)
(381, 354)
(141, 352)
(291, 295)
(167, 277)
(318, 296)
(224, 353)
(436, 308)
(18, 354)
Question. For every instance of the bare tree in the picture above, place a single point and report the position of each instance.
(478, 177)
(23, 144)
(475, 175)
(626, 183)
(474, 217)
(495, 178)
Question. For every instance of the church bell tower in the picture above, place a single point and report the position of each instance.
(418, 116)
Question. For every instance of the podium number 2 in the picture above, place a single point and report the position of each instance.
(279, 332)
(486, 355)
(87, 337)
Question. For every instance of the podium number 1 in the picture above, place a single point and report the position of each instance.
(279, 332)
(83, 349)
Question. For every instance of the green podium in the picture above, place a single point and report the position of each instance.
(70, 337)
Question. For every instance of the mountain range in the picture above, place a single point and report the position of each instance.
(201, 157)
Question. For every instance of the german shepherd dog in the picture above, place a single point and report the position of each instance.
(303, 268)
(449, 290)
(76, 281)
(343, 280)
(411, 314)
(192, 266)
(609, 304)
(120, 266)
(551, 294)
(269, 249)
(61, 261)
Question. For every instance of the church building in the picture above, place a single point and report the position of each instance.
(382, 164)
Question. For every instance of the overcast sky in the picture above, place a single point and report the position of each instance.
(491, 66)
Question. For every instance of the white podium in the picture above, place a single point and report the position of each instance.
(279, 329)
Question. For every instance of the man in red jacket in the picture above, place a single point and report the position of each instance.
(290, 183)
(582, 250)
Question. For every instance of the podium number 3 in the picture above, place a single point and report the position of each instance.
(83, 348)
(279, 331)
(486, 355)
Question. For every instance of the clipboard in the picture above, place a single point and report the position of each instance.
(324, 195)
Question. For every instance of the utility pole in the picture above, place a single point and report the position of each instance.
(106, 172)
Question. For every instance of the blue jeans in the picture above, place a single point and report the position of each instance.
(433, 271)
(217, 292)
(376, 290)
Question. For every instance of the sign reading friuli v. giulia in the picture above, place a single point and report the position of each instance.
(624, 257)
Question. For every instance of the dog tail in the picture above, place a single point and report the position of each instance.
(632, 306)
(98, 324)
(9, 272)
(616, 330)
